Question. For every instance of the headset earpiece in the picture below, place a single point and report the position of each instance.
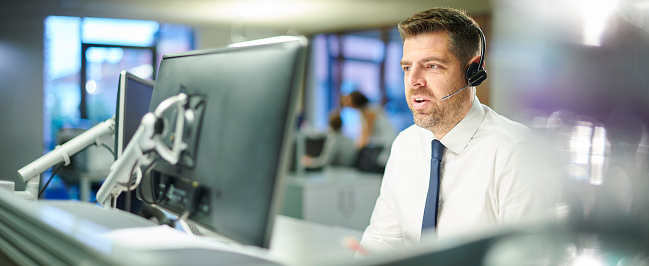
(472, 70)
(475, 74)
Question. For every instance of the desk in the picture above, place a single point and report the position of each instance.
(79, 232)
(294, 242)
(299, 242)
(337, 196)
(44, 232)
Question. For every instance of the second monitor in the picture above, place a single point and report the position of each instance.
(133, 100)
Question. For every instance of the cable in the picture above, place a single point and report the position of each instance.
(152, 188)
(127, 204)
(108, 148)
(59, 166)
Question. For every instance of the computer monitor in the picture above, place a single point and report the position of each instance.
(242, 101)
(133, 100)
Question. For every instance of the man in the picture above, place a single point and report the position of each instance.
(485, 176)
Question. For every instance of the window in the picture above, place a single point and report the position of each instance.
(83, 59)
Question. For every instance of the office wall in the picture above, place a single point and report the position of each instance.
(21, 93)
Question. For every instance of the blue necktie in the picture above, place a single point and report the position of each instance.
(430, 210)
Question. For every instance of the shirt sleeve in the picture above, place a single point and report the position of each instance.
(384, 232)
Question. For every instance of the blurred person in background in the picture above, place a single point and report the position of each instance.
(487, 177)
(376, 130)
(338, 150)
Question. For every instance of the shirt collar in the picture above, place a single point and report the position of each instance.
(459, 136)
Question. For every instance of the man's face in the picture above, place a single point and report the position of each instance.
(431, 72)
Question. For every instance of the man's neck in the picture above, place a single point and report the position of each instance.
(441, 130)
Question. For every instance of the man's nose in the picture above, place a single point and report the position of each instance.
(415, 78)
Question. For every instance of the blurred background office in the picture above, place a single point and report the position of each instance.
(571, 70)
(61, 59)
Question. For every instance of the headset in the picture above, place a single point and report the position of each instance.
(475, 73)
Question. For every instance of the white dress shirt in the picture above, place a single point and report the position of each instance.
(486, 180)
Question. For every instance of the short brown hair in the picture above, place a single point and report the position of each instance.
(358, 99)
(465, 39)
(335, 122)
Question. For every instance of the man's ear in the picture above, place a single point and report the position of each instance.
(475, 59)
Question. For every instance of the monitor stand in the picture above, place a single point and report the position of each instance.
(197, 230)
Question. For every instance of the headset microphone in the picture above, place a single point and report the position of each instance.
(449, 96)
(475, 73)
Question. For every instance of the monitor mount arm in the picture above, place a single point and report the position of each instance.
(61, 154)
(148, 140)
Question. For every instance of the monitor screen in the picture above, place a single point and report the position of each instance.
(133, 99)
(241, 114)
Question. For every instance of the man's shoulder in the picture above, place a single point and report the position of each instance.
(500, 126)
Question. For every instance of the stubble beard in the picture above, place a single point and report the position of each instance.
(443, 117)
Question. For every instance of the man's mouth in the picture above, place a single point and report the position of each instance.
(419, 102)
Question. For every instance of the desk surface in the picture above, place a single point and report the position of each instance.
(299, 242)
(294, 241)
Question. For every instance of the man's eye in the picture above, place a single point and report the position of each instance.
(405, 68)
(432, 66)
